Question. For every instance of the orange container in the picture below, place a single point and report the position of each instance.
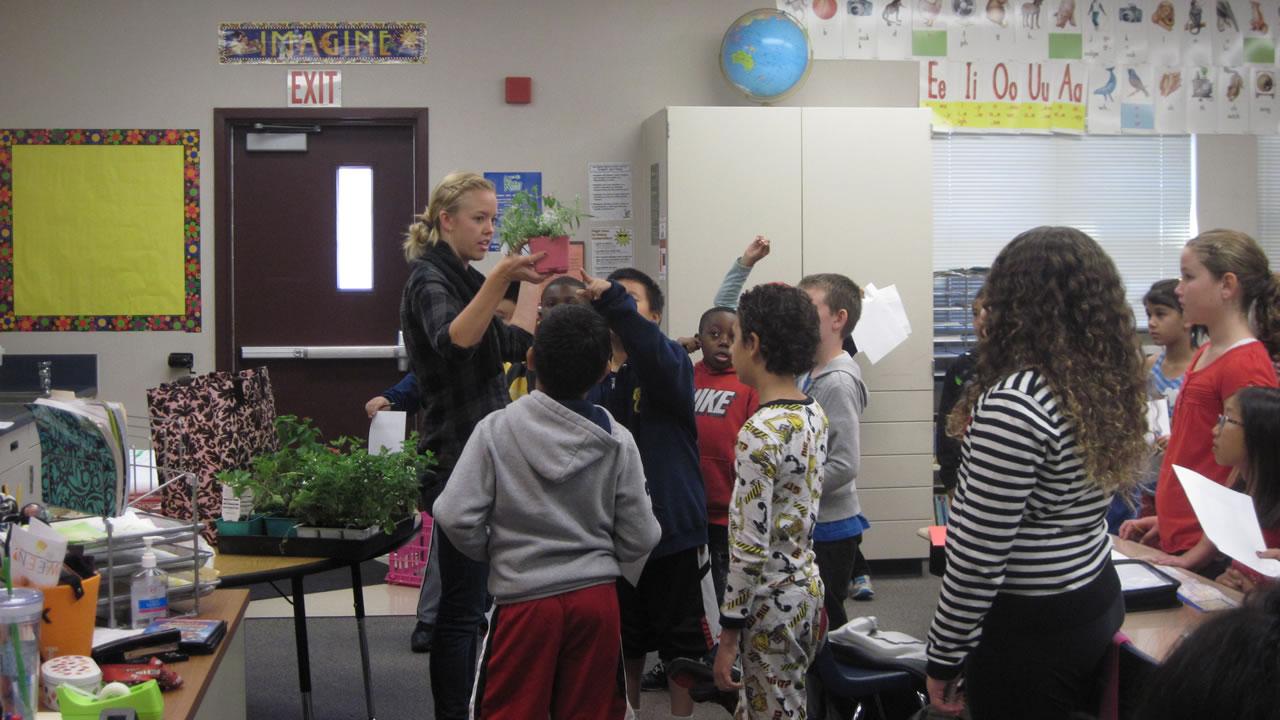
(68, 622)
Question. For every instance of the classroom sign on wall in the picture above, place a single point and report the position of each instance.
(1142, 66)
(99, 230)
(292, 43)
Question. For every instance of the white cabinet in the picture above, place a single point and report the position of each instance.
(20, 463)
(843, 190)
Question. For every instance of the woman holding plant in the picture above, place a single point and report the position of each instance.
(456, 348)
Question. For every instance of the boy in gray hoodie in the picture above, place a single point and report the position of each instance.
(550, 492)
(836, 383)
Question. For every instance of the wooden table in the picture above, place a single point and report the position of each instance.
(241, 570)
(1154, 633)
(207, 693)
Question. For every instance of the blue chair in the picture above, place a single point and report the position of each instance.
(869, 686)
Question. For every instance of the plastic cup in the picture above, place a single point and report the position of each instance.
(20, 611)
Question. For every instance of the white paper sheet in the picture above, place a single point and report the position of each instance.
(37, 552)
(386, 431)
(1229, 519)
(1158, 418)
(883, 325)
(6, 424)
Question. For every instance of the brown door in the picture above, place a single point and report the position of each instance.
(324, 323)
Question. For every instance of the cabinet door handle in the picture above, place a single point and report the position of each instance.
(13, 446)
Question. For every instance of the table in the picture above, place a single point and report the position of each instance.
(1154, 633)
(241, 570)
(213, 685)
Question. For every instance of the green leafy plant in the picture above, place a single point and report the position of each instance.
(338, 484)
(522, 219)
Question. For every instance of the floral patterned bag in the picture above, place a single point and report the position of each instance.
(210, 423)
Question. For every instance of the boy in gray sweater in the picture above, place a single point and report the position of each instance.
(550, 492)
(836, 383)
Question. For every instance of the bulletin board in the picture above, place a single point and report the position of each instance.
(99, 230)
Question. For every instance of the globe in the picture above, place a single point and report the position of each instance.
(766, 55)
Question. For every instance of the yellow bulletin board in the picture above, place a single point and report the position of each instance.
(99, 230)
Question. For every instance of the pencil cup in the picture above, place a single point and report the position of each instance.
(20, 651)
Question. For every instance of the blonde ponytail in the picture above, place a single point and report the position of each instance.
(445, 198)
(1231, 251)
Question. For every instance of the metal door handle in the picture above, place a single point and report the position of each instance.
(322, 352)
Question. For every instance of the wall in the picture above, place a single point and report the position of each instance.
(599, 68)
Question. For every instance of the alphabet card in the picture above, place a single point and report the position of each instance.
(1099, 31)
(1263, 110)
(893, 35)
(1137, 109)
(966, 38)
(1202, 103)
(1171, 103)
(1197, 38)
(1132, 27)
(1164, 33)
(862, 28)
(1233, 107)
(826, 29)
(1260, 33)
(1032, 34)
(1068, 96)
(1228, 38)
(1105, 95)
(930, 25)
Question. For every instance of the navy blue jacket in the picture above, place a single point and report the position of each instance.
(652, 396)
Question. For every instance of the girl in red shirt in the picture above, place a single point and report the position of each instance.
(1227, 286)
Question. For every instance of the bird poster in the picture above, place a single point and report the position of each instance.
(1133, 24)
(1099, 31)
(1105, 93)
(1197, 35)
(893, 29)
(1233, 106)
(1137, 106)
(1171, 101)
(862, 22)
(1263, 110)
(1165, 31)
(1228, 38)
(1202, 103)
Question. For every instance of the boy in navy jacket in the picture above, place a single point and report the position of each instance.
(671, 609)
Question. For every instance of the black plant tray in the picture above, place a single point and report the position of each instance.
(353, 550)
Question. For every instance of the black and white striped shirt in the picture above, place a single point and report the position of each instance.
(1025, 521)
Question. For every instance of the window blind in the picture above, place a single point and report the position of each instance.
(1133, 194)
(1269, 197)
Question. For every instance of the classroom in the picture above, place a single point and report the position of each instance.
(250, 172)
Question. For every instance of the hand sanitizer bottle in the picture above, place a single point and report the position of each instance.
(149, 590)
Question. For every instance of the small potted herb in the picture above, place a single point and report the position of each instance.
(543, 229)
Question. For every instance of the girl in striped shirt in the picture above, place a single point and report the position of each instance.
(1052, 426)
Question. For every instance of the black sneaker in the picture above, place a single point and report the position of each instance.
(420, 640)
(699, 678)
(655, 679)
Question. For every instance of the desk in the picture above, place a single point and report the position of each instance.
(1154, 633)
(241, 570)
(213, 686)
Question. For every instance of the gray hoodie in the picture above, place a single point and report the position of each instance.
(839, 389)
(549, 499)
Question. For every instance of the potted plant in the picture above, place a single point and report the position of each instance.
(312, 489)
(543, 229)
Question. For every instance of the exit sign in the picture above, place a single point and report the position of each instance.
(315, 88)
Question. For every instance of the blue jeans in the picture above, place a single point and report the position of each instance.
(453, 648)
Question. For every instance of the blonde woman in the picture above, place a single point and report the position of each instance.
(457, 347)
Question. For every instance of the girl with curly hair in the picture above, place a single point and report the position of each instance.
(773, 594)
(1227, 286)
(1051, 427)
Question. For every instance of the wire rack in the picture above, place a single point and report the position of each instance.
(117, 555)
(953, 294)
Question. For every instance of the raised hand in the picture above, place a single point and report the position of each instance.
(756, 251)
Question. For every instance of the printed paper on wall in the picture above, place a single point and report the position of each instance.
(1202, 102)
(1263, 109)
(1172, 100)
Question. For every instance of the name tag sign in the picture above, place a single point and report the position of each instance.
(315, 88)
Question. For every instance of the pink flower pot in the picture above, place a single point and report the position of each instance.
(557, 250)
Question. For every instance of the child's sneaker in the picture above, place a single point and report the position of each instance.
(860, 589)
(655, 678)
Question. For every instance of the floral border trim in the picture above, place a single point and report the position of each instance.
(190, 321)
